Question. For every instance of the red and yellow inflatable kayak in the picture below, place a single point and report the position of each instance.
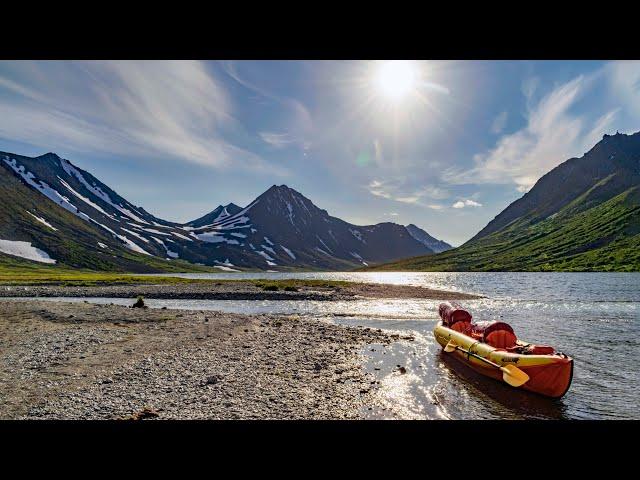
(492, 349)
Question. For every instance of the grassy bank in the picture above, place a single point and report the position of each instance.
(36, 275)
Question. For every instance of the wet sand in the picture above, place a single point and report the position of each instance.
(86, 361)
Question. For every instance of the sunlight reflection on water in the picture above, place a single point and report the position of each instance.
(594, 317)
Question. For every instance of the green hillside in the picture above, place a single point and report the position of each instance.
(584, 215)
(73, 243)
(603, 238)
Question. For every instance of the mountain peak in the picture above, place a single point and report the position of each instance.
(49, 156)
(280, 188)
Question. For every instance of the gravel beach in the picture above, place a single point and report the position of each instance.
(234, 291)
(86, 361)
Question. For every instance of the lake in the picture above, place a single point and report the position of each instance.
(593, 317)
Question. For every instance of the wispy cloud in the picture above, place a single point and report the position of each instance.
(553, 134)
(295, 116)
(277, 140)
(172, 109)
(394, 190)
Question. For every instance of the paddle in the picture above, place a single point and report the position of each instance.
(510, 373)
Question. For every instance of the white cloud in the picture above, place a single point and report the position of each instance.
(466, 203)
(175, 109)
(277, 140)
(397, 191)
(553, 134)
(499, 122)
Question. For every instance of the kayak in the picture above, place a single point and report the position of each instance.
(522, 365)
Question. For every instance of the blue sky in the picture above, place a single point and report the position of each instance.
(451, 152)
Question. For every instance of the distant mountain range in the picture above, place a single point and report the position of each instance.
(583, 215)
(53, 207)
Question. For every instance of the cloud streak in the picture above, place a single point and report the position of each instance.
(394, 190)
(554, 132)
(171, 109)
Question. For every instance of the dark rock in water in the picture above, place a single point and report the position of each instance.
(139, 303)
(402, 370)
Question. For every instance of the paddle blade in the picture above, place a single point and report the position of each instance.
(514, 376)
(450, 347)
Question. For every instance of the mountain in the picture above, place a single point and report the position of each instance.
(75, 219)
(583, 215)
(47, 220)
(427, 240)
(219, 213)
(282, 227)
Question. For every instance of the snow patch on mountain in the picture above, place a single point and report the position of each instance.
(136, 235)
(25, 250)
(85, 199)
(289, 252)
(324, 244)
(41, 186)
(184, 237)
(225, 268)
(264, 254)
(170, 253)
(226, 263)
(214, 237)
(42, 220)
(357, 234)
(97, 191)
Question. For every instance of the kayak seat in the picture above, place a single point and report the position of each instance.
(501, 339)
(462, 327)
(496, 334)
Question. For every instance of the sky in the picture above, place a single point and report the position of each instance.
(446, 145)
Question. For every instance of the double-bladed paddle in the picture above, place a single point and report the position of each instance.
(510, 373)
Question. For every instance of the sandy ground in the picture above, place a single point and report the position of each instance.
(86, 361)
(235, 291)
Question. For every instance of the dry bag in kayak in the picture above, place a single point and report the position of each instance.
(455, 317)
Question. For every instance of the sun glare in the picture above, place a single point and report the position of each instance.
(396, 78)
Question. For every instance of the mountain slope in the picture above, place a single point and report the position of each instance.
(583, 215)
(79, 221)
(26, 216)
(427, 240)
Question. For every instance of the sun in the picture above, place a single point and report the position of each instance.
(395, 79)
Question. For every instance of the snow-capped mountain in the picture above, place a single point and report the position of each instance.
(284, 228)
(427, 240)
(280, 229)
(218, 214)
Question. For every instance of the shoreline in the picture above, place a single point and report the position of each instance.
(86, 361)
(238, 290)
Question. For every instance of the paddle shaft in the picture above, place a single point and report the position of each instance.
(478, 357)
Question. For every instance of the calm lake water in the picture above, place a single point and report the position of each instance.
(593, 317)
